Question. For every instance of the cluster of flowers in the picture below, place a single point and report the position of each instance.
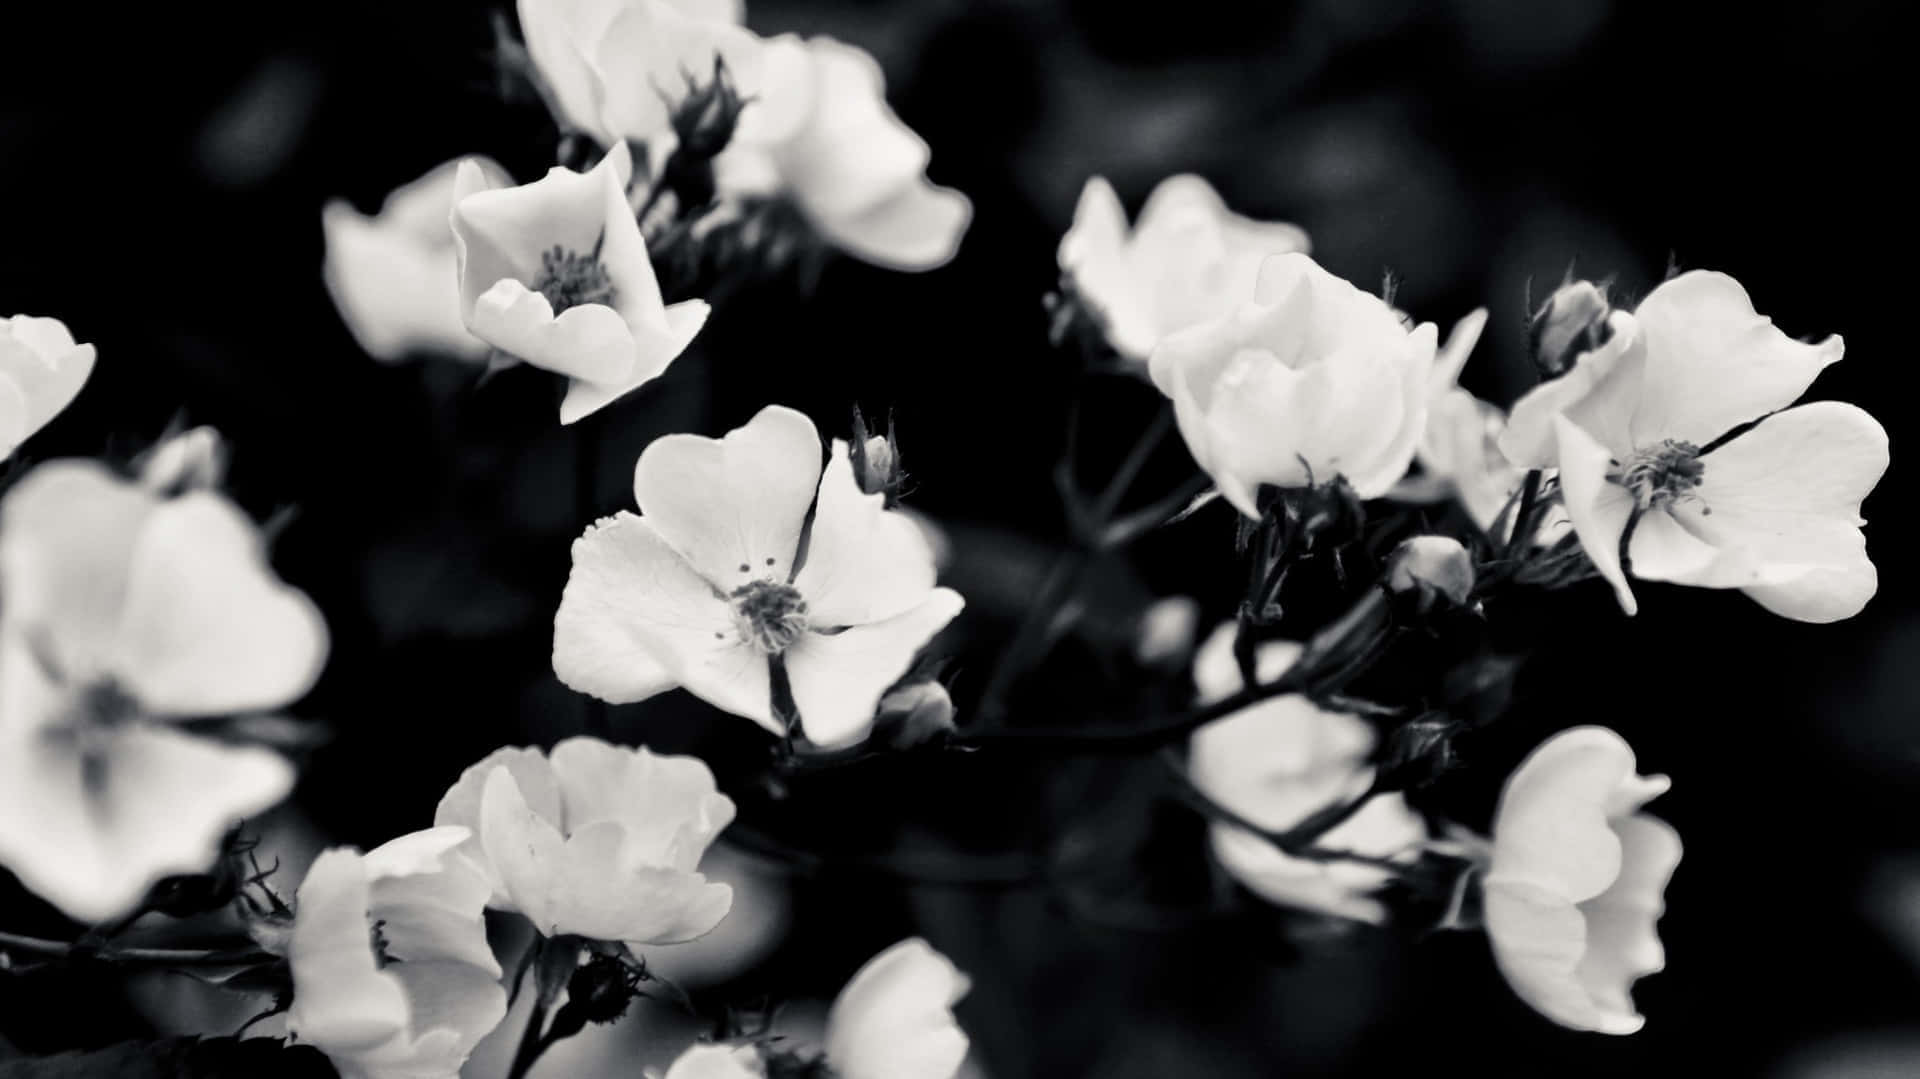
(144, 632)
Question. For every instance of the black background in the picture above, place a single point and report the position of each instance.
(161, 174)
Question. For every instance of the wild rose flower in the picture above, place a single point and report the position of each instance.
(124, 612)
(392, 975)
(595, 840)
(1663, 479)
(394, 275)
(1280, 761)
(1312, 379)
(894, 1019)
(712, 583)
(1576, 880)
(41, 372)
(555, 273)
(1188, 260)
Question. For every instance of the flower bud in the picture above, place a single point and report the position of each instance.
(1418, 752)
(915, 714)
(703, 123)
(1573, 321)
(876, 460)
(1430, 566)
(194, 459)
(1164, 637)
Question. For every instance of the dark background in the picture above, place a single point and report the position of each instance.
(161, 174)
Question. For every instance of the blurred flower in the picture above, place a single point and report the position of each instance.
(595, 840)
(704, 589)
(820, 133)
(1166, 631)
(1576, 880)
(916, 713)
(718, 1062)
(894, 1019)
(125, 611)
(555, 273)
(41, 372)
(392, 975)
(1312, 379)
(1574, 321)
(1280, 761)
(1435, 565)
(1663, 479)
(193, 459)
(394, 275)
(1188, 260)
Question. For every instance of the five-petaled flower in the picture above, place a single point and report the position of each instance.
(1576, 880)
(124, 613)
(595, 840)
(1188, 260)
(1276, 763)
(556, 273)
(724, 576)
(394, 275)
(1667, 475)
(1310, 380)
(41, 372)
(392, 975)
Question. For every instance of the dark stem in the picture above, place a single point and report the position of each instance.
(166, 957)
(1522, 533)
(1298, 841)
(533, 1040)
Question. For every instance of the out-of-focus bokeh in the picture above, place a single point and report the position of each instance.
(162, 169)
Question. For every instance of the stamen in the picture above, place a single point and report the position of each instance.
(383, 957)
(569, 279)
(1662, 474)
(769, 616)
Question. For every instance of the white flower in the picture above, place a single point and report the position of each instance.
(555, 273)
(894, 1019)
(1278, 762)
(706, 587)
(1576, 881)
(595, 840)
(1648, 433)
(1188, 260)
(394, 275)
(1312, 379)
(41, 372)
(392, 975)
(124, 611)
(718, 1062)
(825, 138)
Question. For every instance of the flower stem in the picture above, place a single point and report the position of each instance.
(532, 1040)
(165, 957)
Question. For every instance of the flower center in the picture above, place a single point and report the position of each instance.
(99, 712)
(569, 279)
(377, 940)
(769, 616)
(1663, 474)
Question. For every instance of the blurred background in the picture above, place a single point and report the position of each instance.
(162, 169)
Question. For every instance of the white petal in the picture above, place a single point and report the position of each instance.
(1538, 940)
(916, 228)
(1281, 760)
(894, 1019)
(588, 341)
(1598, 508)
(1384, 828)
(669, 805)
(864, 562)
(838, 678)
(718, 1062)
(1622, 941)
(655, 352)
(854, 153)
(560, 37)
(1599, 394)
(343, 1002)
(460, 806)
(733, 506)
(1714, 363)
(1453, 355)
(208, 628)
(634, 612)
(41, 359)
(428, 897)
(647, 54)
(1552, 831)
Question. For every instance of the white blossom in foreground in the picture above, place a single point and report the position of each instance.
(392, 975)
(1187, 260)
(394, 275)
(595, 840)
(1577, 880)
(555, 273)
(703, 589)
(894, 1019)
(1312, 379)
(718, 1062)
(125, 611)
(1278, 762)
(825, 138)
(1649, 436)
(41, 372)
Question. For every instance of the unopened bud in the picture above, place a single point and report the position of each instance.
(703, 123)
(1570, 324)
(1417, 752)
(194, 459)
(1431, 566)
(1164, 637)
(876, 460)
(915, 714)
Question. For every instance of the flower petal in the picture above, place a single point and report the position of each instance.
(41, 359)
(864, 563)
(208, 629)
(1599, 393)
(635, 613)
(854, 153)
(1713, 363)
(1538, 940)
(1552, 831)
(588, 341)
(894, 1019)
(427, 896)
(838, 679)
(345, 1003)
(654, 353)
(1623, 943)
(1598, 509)
(669, 805)
(917, 228)
(718, 1062)
(733, 506)
(560, 35)
(460, 806)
